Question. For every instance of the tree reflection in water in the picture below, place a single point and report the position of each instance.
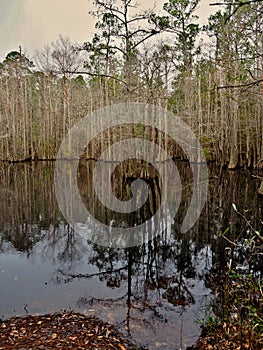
(155, 291)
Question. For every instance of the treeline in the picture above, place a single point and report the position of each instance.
(209, 76)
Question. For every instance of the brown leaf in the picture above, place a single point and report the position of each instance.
(121, 347)
(72, 338)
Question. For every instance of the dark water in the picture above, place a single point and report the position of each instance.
(158, 293)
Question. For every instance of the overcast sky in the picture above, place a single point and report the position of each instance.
(36, 23)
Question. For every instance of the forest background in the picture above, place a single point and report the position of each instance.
(210, 76)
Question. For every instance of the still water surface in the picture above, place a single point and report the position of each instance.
(157, 293)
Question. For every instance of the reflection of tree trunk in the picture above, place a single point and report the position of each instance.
(129, 289)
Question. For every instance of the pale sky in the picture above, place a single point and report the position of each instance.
(36, 23)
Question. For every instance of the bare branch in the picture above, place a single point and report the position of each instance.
(96, 75)
(144, 39)
(239, 4)
(253, 83)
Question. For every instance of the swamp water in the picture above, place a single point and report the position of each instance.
(157, 293)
